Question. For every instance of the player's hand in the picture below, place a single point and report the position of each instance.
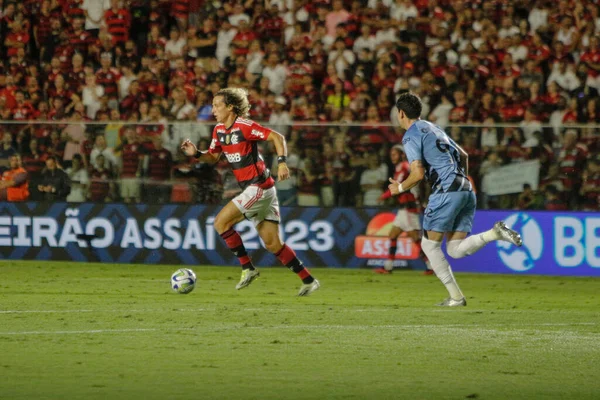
(283, 172)
(394, 187)
(188, 148)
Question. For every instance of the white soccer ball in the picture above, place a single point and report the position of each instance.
(183, 281)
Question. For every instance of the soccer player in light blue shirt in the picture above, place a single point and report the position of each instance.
(451, 208)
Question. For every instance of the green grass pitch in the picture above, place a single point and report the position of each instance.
(99, 331)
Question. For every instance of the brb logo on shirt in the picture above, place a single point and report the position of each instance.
(522, 258)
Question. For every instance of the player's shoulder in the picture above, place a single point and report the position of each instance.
(414, 132)
(244, 122)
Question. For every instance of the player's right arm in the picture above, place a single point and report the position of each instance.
(414, 153)
(190, 150)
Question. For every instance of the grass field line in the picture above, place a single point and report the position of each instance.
(483, 328)
(279, 309)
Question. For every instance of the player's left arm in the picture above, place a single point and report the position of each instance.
(417, 173)
(278, 140)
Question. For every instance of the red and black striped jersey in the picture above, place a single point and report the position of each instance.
(109, 79)
(43, 27)
(80, 41)
(76, 80)
(159, 165)
(130, 156)
(406, 199)
(180, 8)
(118, 23)
(100, 184)
(65, 55)
(73, 9)
(239, 144)
(571, 163)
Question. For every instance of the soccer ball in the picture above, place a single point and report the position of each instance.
(183, 281)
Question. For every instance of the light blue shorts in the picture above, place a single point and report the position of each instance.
(450, 212)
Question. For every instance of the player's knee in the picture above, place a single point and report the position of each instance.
(430, 247)
(452, 247)
(222, 224)
(273, 245)
(415, 236)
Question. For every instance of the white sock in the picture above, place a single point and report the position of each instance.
(471, 244)
(441, 267)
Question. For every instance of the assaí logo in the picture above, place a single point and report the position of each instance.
(375, 244)
(522, 258)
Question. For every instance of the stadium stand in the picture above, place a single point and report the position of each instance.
(510, 80)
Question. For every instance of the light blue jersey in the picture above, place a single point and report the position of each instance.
(440, 156)
(451, 206)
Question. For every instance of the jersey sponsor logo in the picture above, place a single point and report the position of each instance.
(257, 134)
(233, 157)
(523, 258)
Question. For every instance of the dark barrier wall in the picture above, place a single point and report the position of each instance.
(554, 243)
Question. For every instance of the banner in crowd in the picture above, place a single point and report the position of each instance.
(554, 243)
(511, 178)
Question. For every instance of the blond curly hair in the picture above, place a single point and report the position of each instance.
(238, 98)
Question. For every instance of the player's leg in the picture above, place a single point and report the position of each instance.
(267, 220)
(414, 231)
(269, 233)
(459, 245)
(224, 223)
(393, 235)
(416, 237)
(439, 218)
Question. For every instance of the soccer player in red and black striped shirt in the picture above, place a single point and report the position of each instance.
(237, 138)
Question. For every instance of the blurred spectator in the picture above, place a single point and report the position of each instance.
(14, 185)
(526, 199)
(335, 17)
(308, 189)
(91, 94)
(280, 120)
(131, 168)
(590, 189)
(157, 188)
(571, 159)
(175, 46)
(553, 200)
(101, 181)
(73, 136)
(94, 14)
(79, 180)
(101, 148)
(55, 184)
(6, 150)
(372, 181)
(118, 22)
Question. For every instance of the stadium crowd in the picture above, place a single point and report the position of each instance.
(124, 81)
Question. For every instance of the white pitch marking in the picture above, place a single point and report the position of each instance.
(309, 327)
